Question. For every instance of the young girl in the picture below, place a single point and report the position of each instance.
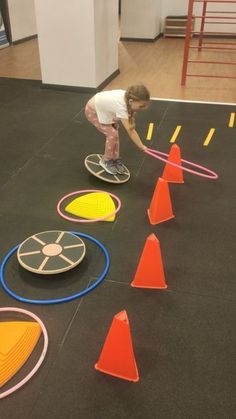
(106, 109)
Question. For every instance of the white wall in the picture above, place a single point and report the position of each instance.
(135, 15)
(180, 7)
(140, 19)
(106, 38)
(218, 27)
(173, 7)
(78, 41)
(22, 19)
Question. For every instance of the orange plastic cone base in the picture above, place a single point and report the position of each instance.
(171, 173)
(150, 272)
(117, 356)
(160, 208)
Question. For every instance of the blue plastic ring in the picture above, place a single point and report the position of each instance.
(57, 300)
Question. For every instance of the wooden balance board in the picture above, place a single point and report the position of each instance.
(92, 165)
(51, 252)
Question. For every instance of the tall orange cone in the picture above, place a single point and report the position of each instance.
(171, 173)
(160, 208)
(117, 356)
(150, 272)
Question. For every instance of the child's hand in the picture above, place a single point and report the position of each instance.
(144, 148)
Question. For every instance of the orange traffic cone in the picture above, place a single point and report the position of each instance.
(117, 356)
(172, 173)
(150, 272)
(160, 208)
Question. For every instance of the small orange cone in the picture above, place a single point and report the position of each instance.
(160, 208)
(117, 356)
(150, 272)
(171, 173)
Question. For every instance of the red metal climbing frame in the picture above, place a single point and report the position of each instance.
(208, 17)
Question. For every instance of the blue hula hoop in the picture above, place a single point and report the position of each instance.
(57, 300)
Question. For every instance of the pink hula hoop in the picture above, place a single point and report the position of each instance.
(210, 175)
(42, 356)
(76, 220)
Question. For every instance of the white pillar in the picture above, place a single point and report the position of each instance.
(78, 41)
(22, 19)
(140, 19)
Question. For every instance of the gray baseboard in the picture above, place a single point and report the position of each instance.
(141, 39)
(28, 38)
(82, 89)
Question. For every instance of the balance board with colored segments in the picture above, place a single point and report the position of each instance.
(18, 340)
(92, 205)
(51, 252)
(92, 164)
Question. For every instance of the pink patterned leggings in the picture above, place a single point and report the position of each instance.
(109, 130)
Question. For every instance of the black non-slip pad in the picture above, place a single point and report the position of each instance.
(184, 336)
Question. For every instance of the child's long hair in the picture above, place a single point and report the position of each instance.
(137, 93)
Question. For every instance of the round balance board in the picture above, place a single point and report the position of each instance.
(92, 165)
(51, 252)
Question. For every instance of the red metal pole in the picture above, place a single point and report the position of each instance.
(204, 8)
(187, 42)
(215, 1)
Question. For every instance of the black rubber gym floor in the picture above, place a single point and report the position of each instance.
(184, 336)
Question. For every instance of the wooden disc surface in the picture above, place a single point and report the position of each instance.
(51, 252)
(92, 165)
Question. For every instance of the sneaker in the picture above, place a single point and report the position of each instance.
(119, 166)
(109, 166)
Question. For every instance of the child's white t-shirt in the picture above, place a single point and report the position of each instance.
(110, 106)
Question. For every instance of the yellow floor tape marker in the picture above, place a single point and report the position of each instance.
(150, 131)
(209, 137)
(176, 133)
(231, 120)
